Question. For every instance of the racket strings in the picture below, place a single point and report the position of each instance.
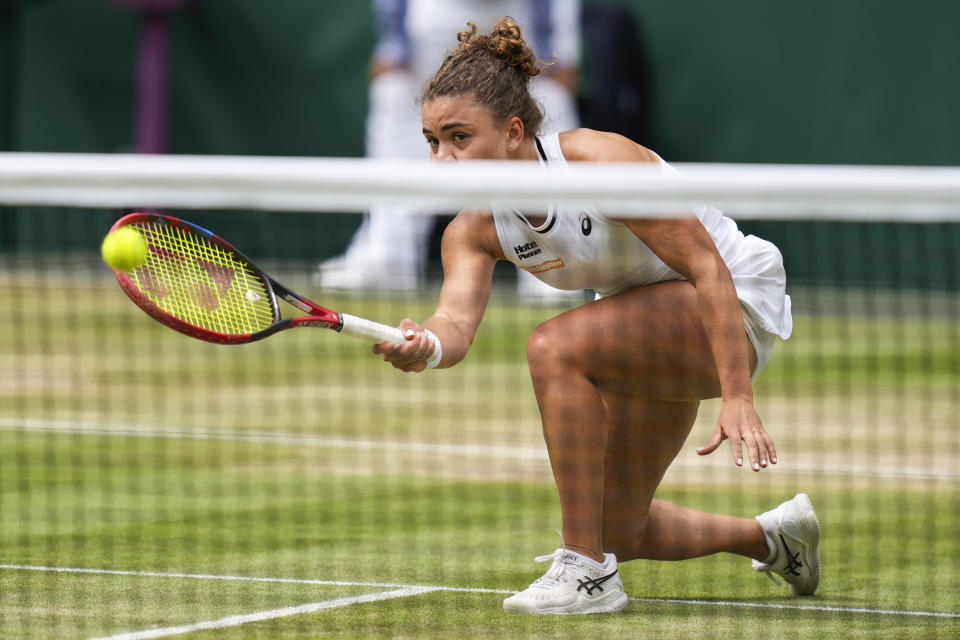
(196, 281)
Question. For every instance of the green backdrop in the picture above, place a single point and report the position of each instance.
(858, 81)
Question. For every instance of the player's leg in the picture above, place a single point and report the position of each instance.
(591, 367)
(644, 436)
(646, 343)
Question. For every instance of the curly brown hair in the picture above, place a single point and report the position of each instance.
(496, 69)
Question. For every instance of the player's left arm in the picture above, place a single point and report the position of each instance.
(685, 246)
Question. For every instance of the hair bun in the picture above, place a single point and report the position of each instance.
(505, 41)
(494, 70)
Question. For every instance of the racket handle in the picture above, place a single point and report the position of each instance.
(376, 332)
(369, 330)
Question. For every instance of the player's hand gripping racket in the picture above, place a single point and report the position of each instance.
(195, 282)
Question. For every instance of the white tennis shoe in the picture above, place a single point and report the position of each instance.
(794, 531)
(573, 584)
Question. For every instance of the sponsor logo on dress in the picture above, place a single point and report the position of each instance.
(549, 265)
(528, 250)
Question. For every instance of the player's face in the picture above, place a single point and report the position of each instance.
(457, 128)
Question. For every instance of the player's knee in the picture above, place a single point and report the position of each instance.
(618, 547)
(626, 542)
(547, 354)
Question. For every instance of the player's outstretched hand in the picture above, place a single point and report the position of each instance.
(740, 423)
(410, 356)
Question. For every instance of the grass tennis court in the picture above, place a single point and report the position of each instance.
(152, 484)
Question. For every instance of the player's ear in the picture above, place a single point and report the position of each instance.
(514, 132)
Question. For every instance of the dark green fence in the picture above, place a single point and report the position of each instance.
(864, 81)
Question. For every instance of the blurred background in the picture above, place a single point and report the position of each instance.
(862, 81)
(127, 447)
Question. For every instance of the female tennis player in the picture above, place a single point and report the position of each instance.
(687, 308)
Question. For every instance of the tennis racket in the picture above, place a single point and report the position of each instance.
(197, 283)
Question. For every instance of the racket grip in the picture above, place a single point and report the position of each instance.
(369, 330)
(376, 332)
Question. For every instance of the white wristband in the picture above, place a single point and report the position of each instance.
(434, 359)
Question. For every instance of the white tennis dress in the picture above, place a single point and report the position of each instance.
(578, 248)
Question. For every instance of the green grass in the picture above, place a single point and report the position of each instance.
(127, 448)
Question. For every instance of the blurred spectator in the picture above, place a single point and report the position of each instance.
(617, 98)
(389, 250)
(153, 70)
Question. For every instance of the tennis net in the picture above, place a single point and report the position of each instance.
(154, 481)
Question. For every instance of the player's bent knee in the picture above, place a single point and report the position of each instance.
(541, 348)
(551, 350)
(626, 544)
(624, 530)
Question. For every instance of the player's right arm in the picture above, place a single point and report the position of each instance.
(470, 251)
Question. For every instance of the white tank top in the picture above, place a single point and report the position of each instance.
(578, 248)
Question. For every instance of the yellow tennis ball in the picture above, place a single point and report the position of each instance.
(124, 249)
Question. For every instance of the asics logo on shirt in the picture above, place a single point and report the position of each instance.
(586, 226)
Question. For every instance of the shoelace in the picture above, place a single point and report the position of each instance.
(556, 570)
(770, 575)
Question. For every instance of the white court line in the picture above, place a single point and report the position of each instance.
(804, 607)
(208, 576)
(236, 621)
(33, 425)
(429, 588)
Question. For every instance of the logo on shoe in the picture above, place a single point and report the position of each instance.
(590, 584)
(793, 562)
